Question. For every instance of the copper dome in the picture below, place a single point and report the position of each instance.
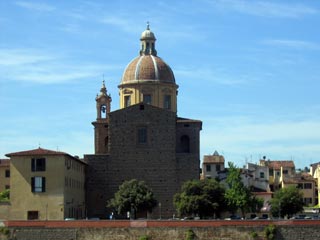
(148, 68)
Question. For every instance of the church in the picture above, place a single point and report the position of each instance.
(144, 139)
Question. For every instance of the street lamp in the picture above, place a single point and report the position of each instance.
(279, 209)
(160, 209)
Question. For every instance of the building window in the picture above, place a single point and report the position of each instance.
(307, 186)
(38, 164)
(147, 98)
(307, 201)
(185, 144)
(7, 173)
(38, 184)
(300, 186)
(218, 167)
(208, 168)
(261, 174)
(285, 171)
(33, 215)
(7, 187)
(142, 135)
(167, 102)
(103, 111)
(127, 101)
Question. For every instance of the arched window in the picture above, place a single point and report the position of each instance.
(103, 111)
(185, 144)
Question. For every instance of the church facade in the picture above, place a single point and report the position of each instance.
(144, 139)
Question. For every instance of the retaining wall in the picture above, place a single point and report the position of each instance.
(160, 230)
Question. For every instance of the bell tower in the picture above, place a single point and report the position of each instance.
(101, 125)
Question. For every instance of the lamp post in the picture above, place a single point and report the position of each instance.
(279, 209)
(160, 209)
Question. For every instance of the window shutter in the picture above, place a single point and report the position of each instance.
(43, 184)
(33, 164)
(44, 164)
(32, 184)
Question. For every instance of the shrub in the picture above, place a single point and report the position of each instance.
(253, 234)
(190, 235)
(270, 232)
(144, 237)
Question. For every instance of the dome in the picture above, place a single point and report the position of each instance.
(147, 34)
(147, 68)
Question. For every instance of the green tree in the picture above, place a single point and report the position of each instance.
(287, 202)
(5, 195)
(256, 204)
(238, 196)
(200, 197)
(133, 196)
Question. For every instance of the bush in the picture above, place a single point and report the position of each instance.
(270, 232)
(190, 235)
(253, 234)
(4, 231)
(144, 237)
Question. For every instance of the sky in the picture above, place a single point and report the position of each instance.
(250, 70)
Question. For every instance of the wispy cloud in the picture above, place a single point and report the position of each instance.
(11, 57)
(124, 23)
(281, 138)
(295, 44)
(266, 8)
(212, 75)
(35, 66)
(36, 6)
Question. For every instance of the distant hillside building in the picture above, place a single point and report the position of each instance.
(213, 166)
(144, 139)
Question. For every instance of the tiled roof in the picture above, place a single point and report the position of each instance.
(213, 159)
(278, 164)
(42, 152)
(148, 68)
(37, 151)
(4, 162)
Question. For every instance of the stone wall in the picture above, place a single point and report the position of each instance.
(160, 230)
(155, 161)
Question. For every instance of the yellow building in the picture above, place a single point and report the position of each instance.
(46, 185)
(4, 174)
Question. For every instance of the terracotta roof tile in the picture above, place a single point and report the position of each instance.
(37, 151)
(213, 159)
(279, 164)
(4, 162)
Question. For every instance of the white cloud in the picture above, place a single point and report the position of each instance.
(36, 6)
(241, 137)
(212, 75)
(295, 44)
(14, 57)
(266, 8)
(124, 23)
(35, 66)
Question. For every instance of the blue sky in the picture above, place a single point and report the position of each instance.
(248, 69)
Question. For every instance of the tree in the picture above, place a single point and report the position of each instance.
(5, 195)
(238, 196)
(133, 196)
(200, 197)
(286, 202)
